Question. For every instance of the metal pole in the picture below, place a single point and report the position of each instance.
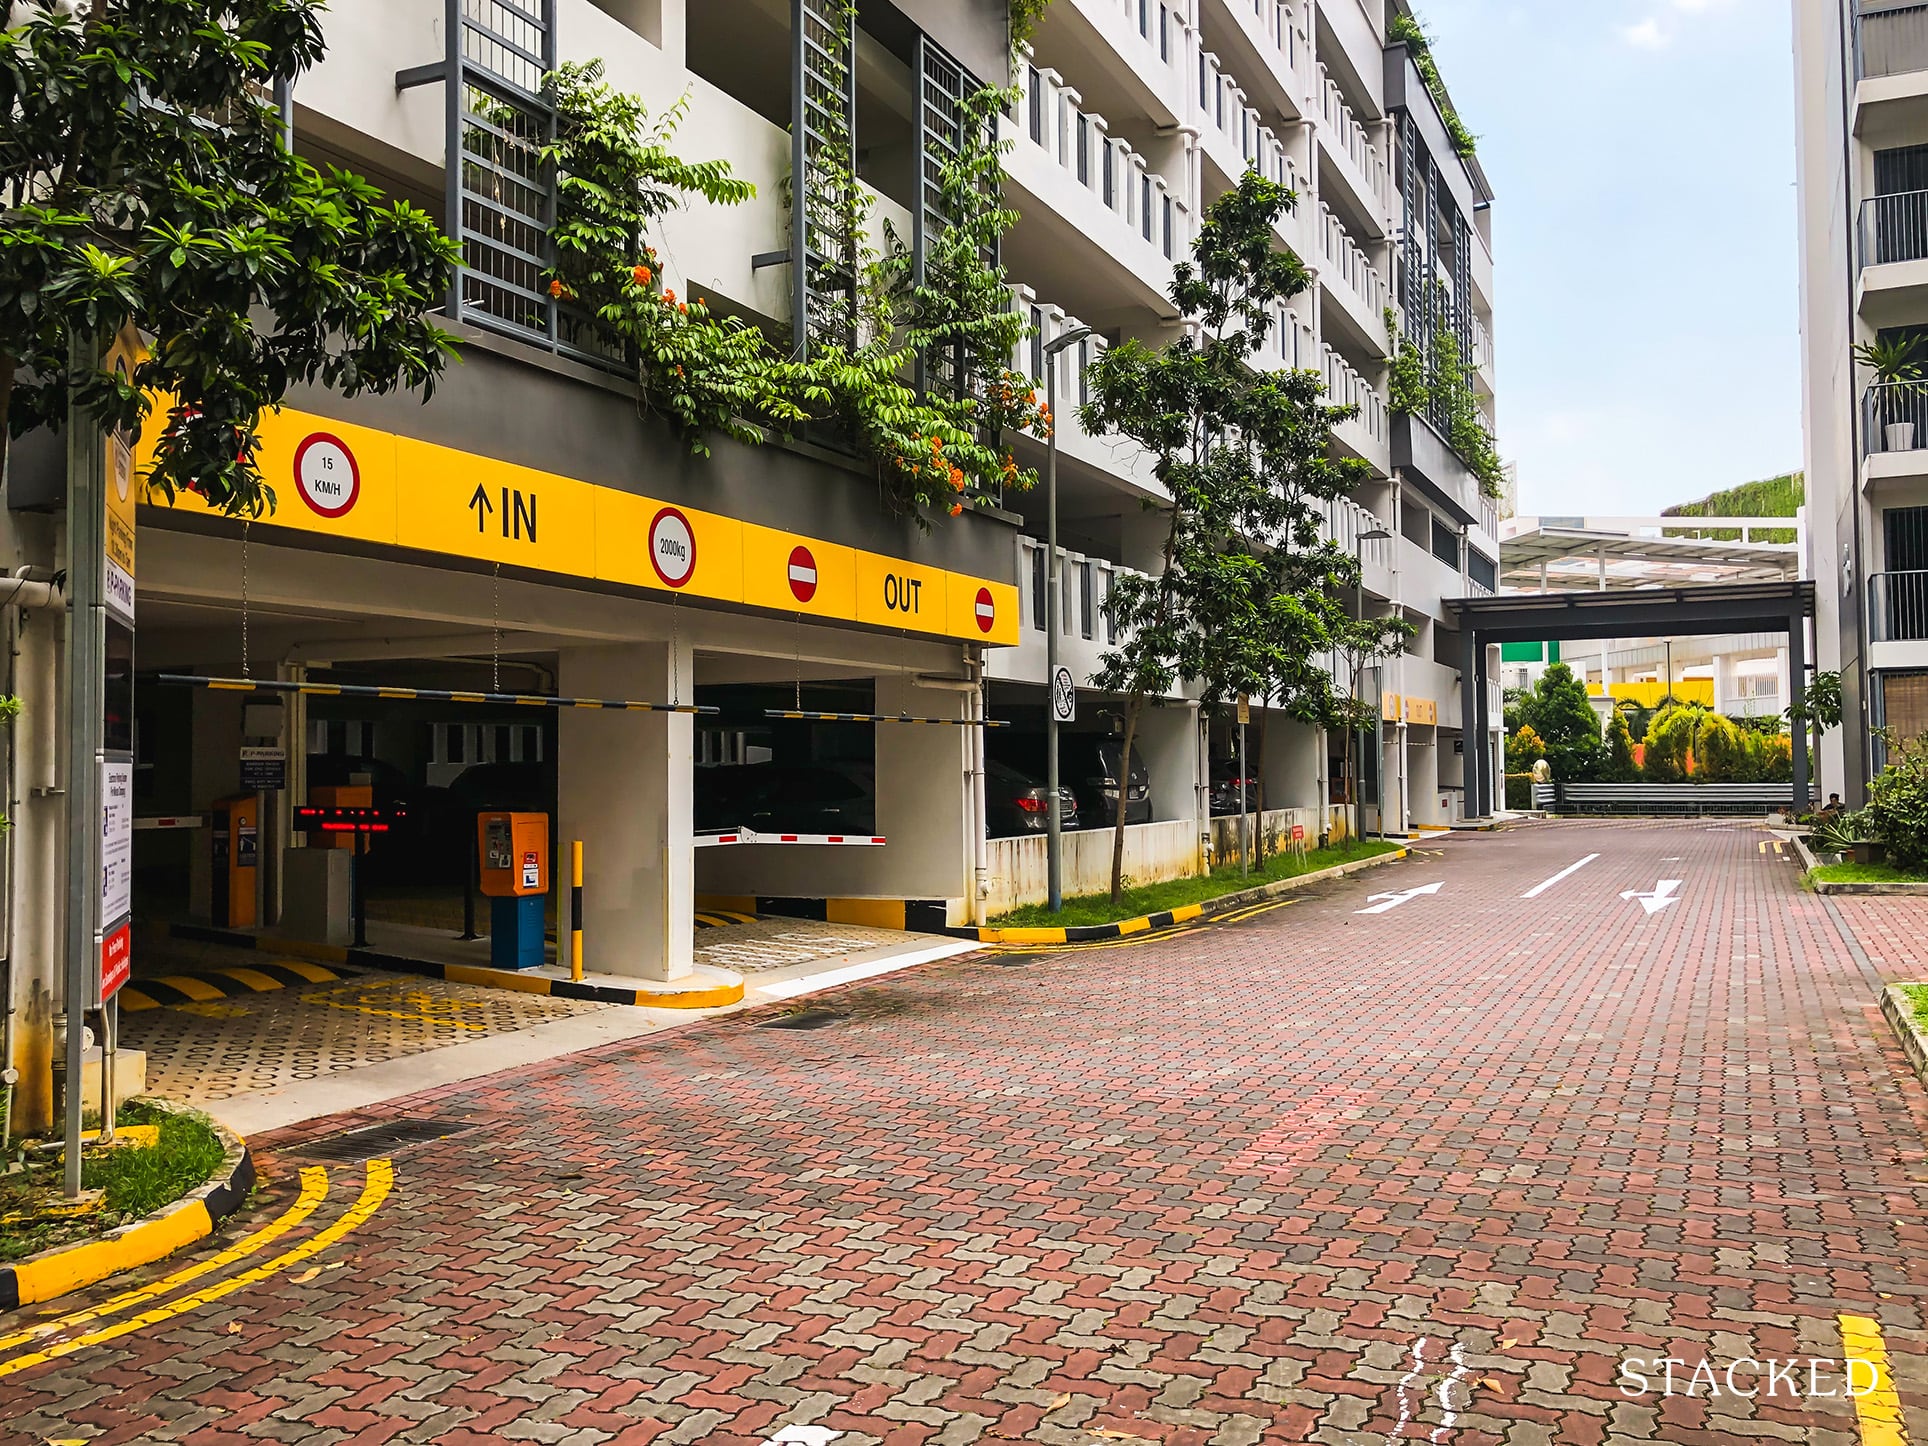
(468, 888)
(1358, 675)
(86, 664)
(109, 1046)
(1054, 837)
(358, 888)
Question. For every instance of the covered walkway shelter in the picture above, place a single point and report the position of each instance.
(1783, 606)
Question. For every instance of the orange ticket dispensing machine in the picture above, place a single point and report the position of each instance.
(237, 856)
(514, 852)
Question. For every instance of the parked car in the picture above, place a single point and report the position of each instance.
(1088, 765)
(1225, 790)
(413, 810)
(783, 798)
(1016, 803)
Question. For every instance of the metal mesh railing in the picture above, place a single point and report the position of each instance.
(1894, 417)
(1894, 228)
(1898, 607)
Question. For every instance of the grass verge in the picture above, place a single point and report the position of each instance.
(1865, 874)
(1917, 996)
(133, 1181)
(1175, 893)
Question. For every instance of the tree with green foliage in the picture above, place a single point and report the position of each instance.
(1558, 711)
(1819, 712)
(1524, 748)
(1720, 751)
(1897, 811)
(1670, 742)
(148, 183)
(1619, 765)
(1246, 592)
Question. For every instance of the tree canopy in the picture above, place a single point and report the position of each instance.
(146, 181)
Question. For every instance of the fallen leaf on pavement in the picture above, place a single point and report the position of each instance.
(307, 1275)
(1063, 1400)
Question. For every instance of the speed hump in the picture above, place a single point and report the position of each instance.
(1064, 696)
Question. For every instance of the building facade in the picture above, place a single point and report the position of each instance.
(1861, 73)
(527, 532)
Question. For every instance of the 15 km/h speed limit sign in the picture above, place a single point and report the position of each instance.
(1064, 696)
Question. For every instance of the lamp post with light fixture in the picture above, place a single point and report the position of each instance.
(1054, 824)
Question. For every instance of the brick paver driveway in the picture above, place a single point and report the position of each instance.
(1428, 1174)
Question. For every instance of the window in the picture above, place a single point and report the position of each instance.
(1037, 588)
(1111, 189)
(1084, 149)
(1037, 343)
(1904, 534)
(1035, 89)
(1084, 382)
(455, 739)
(1086, 597)
(1445, 544)
(1164, 32)
(1111, 627)
(1414, 522)
(1901, 170)
(1168, 228)
(1144, 206)
(1482, 570)
(1204, 81)
(1904, 703)
(1144, 18)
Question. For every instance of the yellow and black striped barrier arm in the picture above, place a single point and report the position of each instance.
(421, 695)
(816, 717)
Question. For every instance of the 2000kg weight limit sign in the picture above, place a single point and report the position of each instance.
(672, 547)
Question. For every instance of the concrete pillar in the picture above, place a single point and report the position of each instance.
(1168, 741)
(623, 785)
(1291, 763)
(1797, 699)
(923, 801)
(1723, 684)
(37, 851)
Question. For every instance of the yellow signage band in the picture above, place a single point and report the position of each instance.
(361, 485)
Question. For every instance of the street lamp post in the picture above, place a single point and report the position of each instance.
(1371, 534)
(1054, 825)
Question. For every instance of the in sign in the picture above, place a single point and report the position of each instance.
(803, 574)
(672, 547)
(986, 610)
(326, 475)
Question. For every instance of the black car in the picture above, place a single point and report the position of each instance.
(1225, 791)
(1015, 803)
(783, 798)
(1088, 765)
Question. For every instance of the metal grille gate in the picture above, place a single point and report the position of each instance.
(823, 128)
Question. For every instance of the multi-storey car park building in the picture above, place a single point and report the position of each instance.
(1861, 71)
(526, 531)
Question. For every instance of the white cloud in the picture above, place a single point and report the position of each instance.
(1646, 34)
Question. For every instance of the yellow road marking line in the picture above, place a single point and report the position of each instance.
(381, 1177)
(313, 973)
(253, 978)
(194, 989)
(314, 1187)
(1253, 910)
(132, 1001)
(1879, 1412)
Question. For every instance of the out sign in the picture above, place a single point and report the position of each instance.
(672, 547)
(326, 475)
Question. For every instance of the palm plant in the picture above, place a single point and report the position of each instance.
(1899, 375)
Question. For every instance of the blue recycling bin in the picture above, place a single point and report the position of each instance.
(515, 932)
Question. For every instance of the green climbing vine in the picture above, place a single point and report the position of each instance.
(1406, 390)
(941, 447)
(1440, 385)
(1026, 16)
(1406, 30)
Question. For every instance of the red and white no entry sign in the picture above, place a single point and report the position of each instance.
(803, 574)
(326, 475)
(672, 547)
(986, 610)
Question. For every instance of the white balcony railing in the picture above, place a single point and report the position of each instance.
(1347, 522)
(1482, 345)
(1352, 139)
(1048, 114)
(1349, 259)
(1346, 388)
(1044, 324)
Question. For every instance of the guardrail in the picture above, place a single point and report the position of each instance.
(1894, 417)
(1898, 607)
(1349, 258)
(1692, 800)
(1894, 228)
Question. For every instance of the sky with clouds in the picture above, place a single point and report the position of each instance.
(1647, 322)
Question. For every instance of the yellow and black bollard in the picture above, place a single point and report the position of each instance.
(575, 909)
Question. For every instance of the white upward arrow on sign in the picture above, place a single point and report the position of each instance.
(1393, 901)
(1660, 898)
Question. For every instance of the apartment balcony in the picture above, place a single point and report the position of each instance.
(1350, 278)
(1138, 45)
(1095, 464)
(1354, 162)
(1084, 632)
(1346, 522)
(1421, 453)
(1894, 434)
(1898, 620)
(1233, 141)
(1890, 71)
(1263, 42)
(1891, 288)
(1367, 435)
(1483, 370)
(1100, 227)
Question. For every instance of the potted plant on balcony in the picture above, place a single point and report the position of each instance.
(1895, 368)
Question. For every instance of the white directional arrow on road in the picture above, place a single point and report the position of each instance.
(1393, 901)
(1660, 898)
